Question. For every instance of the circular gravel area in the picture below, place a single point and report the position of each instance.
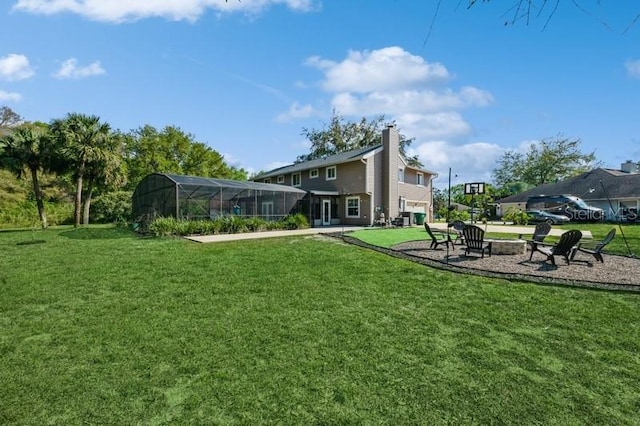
(617, 272)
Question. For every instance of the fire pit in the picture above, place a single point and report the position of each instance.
(508, 247)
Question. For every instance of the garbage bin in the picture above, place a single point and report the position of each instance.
(418, 218)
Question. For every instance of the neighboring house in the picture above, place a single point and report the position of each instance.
(617, 192)
(359, 187)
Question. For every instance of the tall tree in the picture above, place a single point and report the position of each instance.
(104, 171)
(341, 136)
(549, 161)
(8, 120)
(28, 148)
(82, 140)
(173, 151)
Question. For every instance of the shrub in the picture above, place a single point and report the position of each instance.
(256, 224)
(112, 207)
(454, 215)
(162, 226)
(25, 214)
(517, 216)
(232, 225)
(295, 221)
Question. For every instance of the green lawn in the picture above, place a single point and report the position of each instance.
(98, 326)
(627, 240)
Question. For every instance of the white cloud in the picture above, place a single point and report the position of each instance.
(633, 68)
(401, 86)
(175, 10)
(71, 70)
(409, 101)
(296, 111)
(470, 162)
(10, 97)
(419, 97)
(390, 68)
(15, 67)
(430, 126)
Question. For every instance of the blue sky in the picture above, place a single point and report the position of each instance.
(245, 77)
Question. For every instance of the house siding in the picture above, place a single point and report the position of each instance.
(417, 197)
(371, 174)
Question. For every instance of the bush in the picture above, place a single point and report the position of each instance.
(163, 226)
(295, 221)
(517, 216)
(454, 215)
(112, 207)
(25, 214)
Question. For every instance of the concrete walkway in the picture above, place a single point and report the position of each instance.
(525, 231)
(271, 234)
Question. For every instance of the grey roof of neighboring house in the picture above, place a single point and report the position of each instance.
(588, 186)
(343, 157)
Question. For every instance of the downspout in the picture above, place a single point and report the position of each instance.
(370, 193)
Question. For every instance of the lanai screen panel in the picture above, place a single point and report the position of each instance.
(154, 196)
(190, 197)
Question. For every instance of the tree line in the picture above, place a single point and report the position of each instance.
(85, 156)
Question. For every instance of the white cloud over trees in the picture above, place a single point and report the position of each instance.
(117, 11)
(15, 67)
(71, 70)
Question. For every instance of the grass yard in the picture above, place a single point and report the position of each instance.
(98, 326)
(387, 237)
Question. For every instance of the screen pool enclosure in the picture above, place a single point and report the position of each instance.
(190, 197)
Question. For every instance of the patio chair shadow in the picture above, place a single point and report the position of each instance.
(543, 266)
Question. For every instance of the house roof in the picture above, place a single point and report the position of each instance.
(343, 157)
(597, 184)
(332, 160)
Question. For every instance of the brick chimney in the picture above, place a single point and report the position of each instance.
(390, 151)
(629, 167)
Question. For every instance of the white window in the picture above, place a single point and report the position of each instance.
(313, 173)
(281, 179)
(331, 173)
(400, 175)
(295, 179)
(420, 179)
(353, 207)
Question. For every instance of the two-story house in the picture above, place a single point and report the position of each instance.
(359, 187)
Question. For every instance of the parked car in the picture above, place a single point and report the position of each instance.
(537, 216)
(568, 205)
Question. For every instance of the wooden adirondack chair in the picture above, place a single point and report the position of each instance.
(596, 251)
(539, 234)
(438, 237)
(458, 226)
(565, 247)
(474, 240)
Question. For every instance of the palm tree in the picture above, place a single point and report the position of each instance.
(105, 171)
(28, 147)
(83, 140)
